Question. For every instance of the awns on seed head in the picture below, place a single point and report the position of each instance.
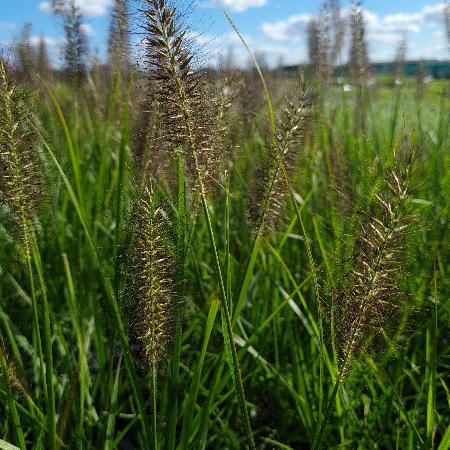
(20, 177)
(187, 106)
(150, 286)
(268, 197)
(371, 291)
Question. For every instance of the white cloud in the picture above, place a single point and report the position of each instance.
(88, 30)
(243, 5)
(53, 44)
(90, 8)
(285, 30)
(381, 29)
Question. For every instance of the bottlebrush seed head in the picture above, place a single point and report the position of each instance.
(20, 177)
(187, 104)
(371, 291)
(150, 286)
(267, 200)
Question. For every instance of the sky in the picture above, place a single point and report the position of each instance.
(275, 28)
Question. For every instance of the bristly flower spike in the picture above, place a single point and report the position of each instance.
(150, 284)
(20, 180)
(371, 292)
(188, 111)
(271, 192)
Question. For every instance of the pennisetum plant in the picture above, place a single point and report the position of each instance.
(359, 61)
(272, 189)
(188, 119)
(150, 288)
(21, 189)
(370, 293)
(119, 38)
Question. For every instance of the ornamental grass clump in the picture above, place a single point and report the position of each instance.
(188, 119)
(371, 294)
(21, 189)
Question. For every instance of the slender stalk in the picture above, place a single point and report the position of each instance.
(51, 409)
(154, 408)
(174, 368)
(229, 326)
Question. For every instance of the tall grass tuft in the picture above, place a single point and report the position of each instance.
(22, 188)
(370, 295)
(189, 117)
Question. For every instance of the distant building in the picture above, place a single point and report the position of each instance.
(436, 69)
(433, 68)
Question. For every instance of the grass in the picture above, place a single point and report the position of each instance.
(255, 356)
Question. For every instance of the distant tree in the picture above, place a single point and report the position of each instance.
(76, 43)
(43, 64)
(119, 37)
(24, 52)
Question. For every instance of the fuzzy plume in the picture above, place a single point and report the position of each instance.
(20, 178)
(268, 198)
(150, 282)
(400, 56)
(338, 29)
(8, 371)
(371, 291)
(119, 37)
(186, 103)
(25, 53)
(359, 60)
(76, 42)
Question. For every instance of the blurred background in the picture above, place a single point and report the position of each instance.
(283, 33)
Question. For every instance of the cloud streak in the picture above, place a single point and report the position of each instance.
(239, 5)
(89, 8)
(7, 26)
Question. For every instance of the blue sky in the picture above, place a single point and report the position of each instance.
(273, 27)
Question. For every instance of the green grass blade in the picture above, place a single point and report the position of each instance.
(195, 384)
(111, 415)
(431, 345)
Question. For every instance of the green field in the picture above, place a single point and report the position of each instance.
(177, 272)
